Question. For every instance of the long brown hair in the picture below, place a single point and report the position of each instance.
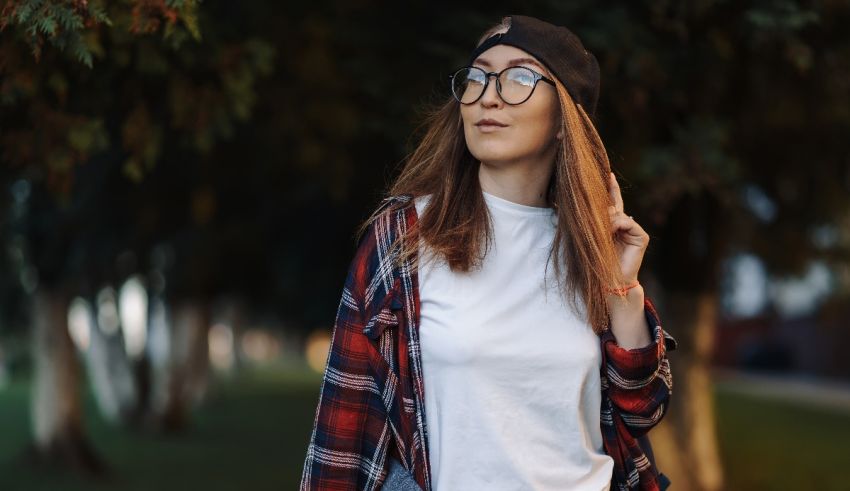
(455, 225)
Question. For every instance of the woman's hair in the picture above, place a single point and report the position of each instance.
(455, 225)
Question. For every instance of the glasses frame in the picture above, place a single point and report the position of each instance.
(537, 78)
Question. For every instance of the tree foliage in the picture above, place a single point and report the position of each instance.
(90, 109)
(729, 117)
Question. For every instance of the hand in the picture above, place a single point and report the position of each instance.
(630, 238)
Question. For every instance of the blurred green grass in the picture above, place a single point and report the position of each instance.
(771, 444)
(253, 430)
(251, 433)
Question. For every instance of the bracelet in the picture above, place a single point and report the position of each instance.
(622, 291)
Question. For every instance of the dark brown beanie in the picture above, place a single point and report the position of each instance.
(559, 50)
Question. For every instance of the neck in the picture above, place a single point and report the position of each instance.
(521, 182)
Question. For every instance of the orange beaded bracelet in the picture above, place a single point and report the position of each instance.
(622, 291)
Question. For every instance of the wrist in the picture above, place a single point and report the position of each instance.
(632, 299)
(623, 290)
(628, 320)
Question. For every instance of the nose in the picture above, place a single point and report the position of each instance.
(491, 97)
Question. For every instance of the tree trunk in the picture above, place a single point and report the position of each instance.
(685, 442)
(181, 375)
(111, 374)
(56, 408)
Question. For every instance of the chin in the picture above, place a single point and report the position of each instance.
(491, 152)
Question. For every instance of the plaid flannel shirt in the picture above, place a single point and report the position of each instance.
(371, 403)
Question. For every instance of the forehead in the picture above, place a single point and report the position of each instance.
(502, 55)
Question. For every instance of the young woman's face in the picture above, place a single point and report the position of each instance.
(530, 128)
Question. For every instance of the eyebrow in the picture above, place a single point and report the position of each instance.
(515, 61)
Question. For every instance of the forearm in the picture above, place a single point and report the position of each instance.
(636, 367)
(628, 319)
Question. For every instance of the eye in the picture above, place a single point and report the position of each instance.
(521, 75)
(475, 76)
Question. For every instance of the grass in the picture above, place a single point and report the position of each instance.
(767, 444)
(253, 430)
(251, 433)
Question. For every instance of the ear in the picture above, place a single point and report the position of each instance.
(560, 135)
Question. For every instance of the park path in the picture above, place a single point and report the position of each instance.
(807, 389)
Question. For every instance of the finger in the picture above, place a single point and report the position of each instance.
(613, 213)
(621, 222)
(627, 223)
(629, 230)
(614, 191)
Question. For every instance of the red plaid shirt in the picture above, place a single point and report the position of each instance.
(371, 403)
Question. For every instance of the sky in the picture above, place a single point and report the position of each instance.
(747, 290)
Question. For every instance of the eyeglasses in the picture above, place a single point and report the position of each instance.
(514, 84)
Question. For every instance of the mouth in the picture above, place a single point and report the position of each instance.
(490, 124)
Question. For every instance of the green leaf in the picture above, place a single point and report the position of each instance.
(47, 25)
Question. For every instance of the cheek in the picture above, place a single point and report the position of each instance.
(466, 117)
(475, 141)
(549, 115)
(539, 124)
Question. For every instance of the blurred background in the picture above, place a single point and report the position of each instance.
(180, 184)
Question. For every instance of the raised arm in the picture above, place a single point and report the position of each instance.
(640, 382)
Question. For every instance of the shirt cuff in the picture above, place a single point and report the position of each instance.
(639, 363)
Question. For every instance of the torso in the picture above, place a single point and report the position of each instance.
(511, 372)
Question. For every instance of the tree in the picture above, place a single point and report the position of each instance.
(94, 96)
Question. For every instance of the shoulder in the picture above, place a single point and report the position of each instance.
(412, 206)
(396, 202)
(392, 214)
(390, 218)
(374, 272)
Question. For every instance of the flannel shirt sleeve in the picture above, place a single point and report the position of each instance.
(640, 382)
(349, 441)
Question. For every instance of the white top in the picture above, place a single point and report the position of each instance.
(511, 375)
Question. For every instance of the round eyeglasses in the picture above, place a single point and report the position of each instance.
(514, 84)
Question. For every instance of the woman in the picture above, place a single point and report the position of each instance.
(471, 369)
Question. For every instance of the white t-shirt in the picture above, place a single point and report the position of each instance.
(511, 374)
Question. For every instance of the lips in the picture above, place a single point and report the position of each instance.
(490, 122)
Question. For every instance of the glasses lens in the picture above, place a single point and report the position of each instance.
(468, 83)
(517, 84)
